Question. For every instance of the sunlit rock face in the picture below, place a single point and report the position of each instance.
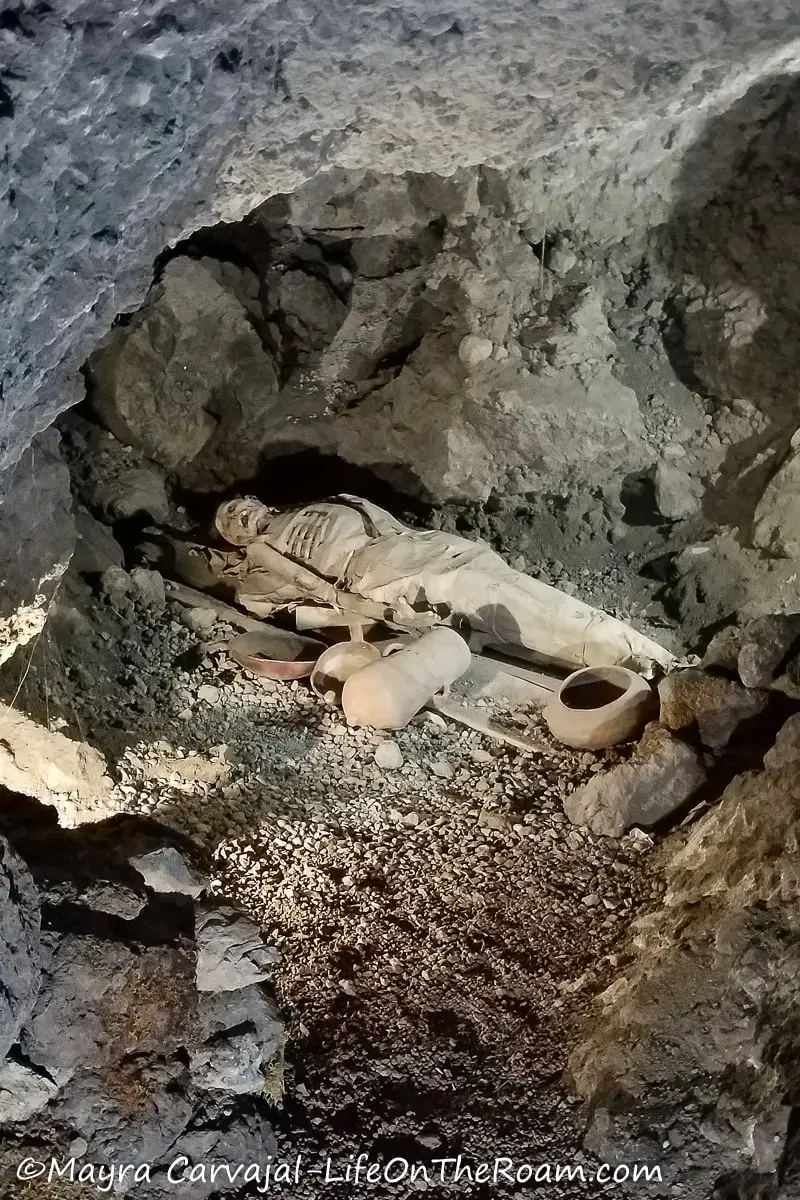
(128, 129)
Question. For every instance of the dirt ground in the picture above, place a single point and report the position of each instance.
(443, 927)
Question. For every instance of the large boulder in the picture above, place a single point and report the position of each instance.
(677, 493)
(40, 762)
(189, 381)
(708, 707)
(661, 777)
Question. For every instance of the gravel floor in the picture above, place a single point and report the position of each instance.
(443, 926)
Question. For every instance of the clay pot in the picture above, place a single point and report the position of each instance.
(598, 707)
(333, 668)
(387, 694)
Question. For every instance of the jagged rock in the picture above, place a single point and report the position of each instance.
(310, 308)
(789, 681)
(131, 1110)
(96, 548)
(455, 439)
(37, 762)
(561, 260)
(113, 899)
(776, 525)
(785, 753)
(241, 1137)
(658, 780)
(148, 587)
(769, 654)
(165, 870)
(722, 651)
(93, 989)
(23, 1092)
(37, 535)
(694, 702)
(135, 492)
(230, 951)
(198, 620)
(240, 1037)
(678, 494)
(19, 944)
(116, 586)
(189, 380)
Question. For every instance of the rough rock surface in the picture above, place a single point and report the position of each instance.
(663, 774)
(118, 1050)
(785, 754)
(19, 945)
(777, 515)
(769, 653)
(153, 150)
(23, 1092)
(164, 123)
(693, 1061)
(137, 492)
(372, 369)
(39, 762)
(678, 495)
(239, 1062)
(164, 870)
(709, 707)
(230, 952)
(36, 538)
(96, 549)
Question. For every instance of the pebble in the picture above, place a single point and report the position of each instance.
(198, 620)
(474, 349)
(208, 694)
(442, 769)
(388, 756)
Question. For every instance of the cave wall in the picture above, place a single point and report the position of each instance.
(692, 1059)
(125, 128)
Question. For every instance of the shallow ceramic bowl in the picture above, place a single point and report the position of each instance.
(276, 653)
